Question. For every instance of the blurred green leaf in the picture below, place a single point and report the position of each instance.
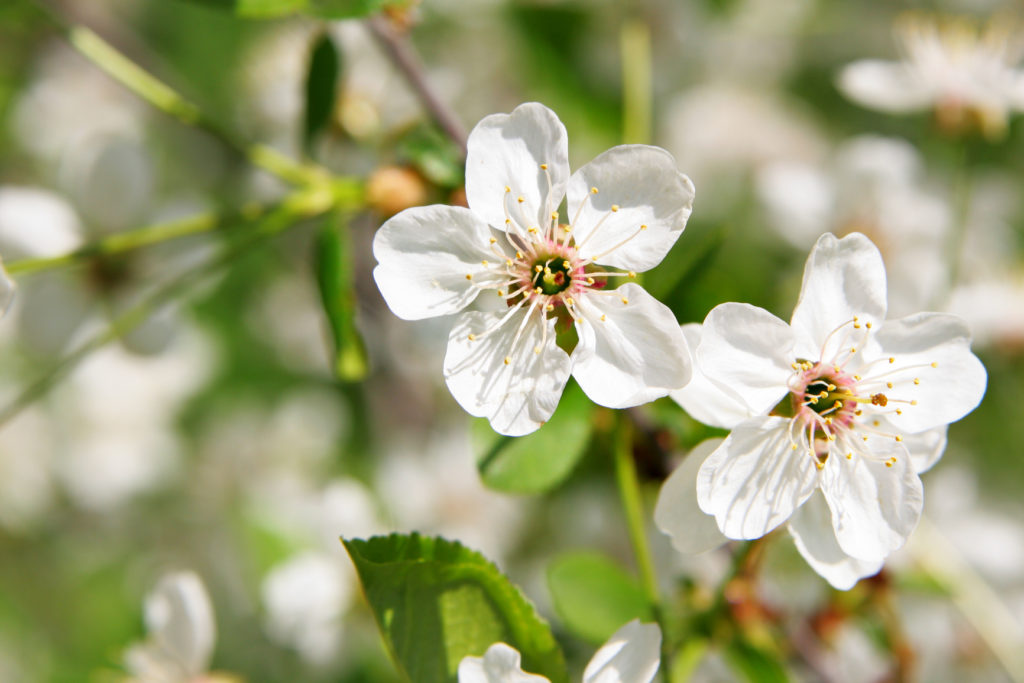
(436, 602)
(321, 88)
(593, 596)
(754, 664)
(540, 461)
(327, 9)
(334, 275)
(433, 155)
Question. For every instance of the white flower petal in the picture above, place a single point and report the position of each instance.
(517, 397)
(36, 223)
(7, 289)
(811, 527)
(704, 400)
(638, 185)
(500, 664)
(628, 353)
(631, 655)
(507, 150)
(843, 278)
(424, 254)
(874, 506)
(677, 513)
(885, 86)
(180, 622)
(748, 352)
(925, 447)
(944, 393)
(755, 480)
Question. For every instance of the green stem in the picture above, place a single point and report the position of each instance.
(635, 48)
(345, 193)
(962, 187)
(301, 205)
(633, 509)
(166, 99)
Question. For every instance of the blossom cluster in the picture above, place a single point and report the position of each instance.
(832, 416)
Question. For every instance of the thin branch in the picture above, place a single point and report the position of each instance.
(402, 53)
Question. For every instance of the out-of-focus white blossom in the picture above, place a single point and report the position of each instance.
(968, 75)
(182, 633)
(874, 186)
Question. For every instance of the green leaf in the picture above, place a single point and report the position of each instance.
(334, 274)
(754, 664)
(321, 88)
(433, 155)
(436, 602)
(593, 596)
(257, 9)
(540, 461)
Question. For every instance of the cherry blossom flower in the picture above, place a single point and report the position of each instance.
(631, 655)
(833, 417)
(968, 75)
(182, 632)
(509, 250)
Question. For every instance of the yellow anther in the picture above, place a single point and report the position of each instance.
(532, 231)
(891, 360)
(864, 437)
(508, 221)
(593, 190)
(899, 438)
(632, 273)
(935, 365)
(888, 385)
(554, 215)
(856, 377)
(508, 262)
(539, 268)
(853, 349)
(603, 317)
(519, 254)
(858, 412)
(888, 463)
(794, 447)
(520, 199)
(508, 359)
(569, 300)
(485, 262)
(831, 437)
(508, 189)
(849, 456)
(469, 276)
(544, 167)
(615, 207)
(549, 308)
(831, 387)
(538, 290)
(566, 265)
(643, 227)
(875, 423)
(625, 300)
(471, 337)
(917, 380)
(867, 325)
(899, 411)
(820, 465)
(501, 292)
(536, 350)
(590, 280)
(493, 240)
(856, 326)
(914, 402)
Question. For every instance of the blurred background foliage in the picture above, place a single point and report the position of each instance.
(219, 436)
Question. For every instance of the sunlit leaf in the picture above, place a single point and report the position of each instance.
(436, 602)
(754, 664)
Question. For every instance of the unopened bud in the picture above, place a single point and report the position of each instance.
(391, 189)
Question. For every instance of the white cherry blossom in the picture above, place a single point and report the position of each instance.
(509, 250)
(966, 74)
(843, 410)
(631, 655)
(182, 632)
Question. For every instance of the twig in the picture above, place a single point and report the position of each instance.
(401, 52)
